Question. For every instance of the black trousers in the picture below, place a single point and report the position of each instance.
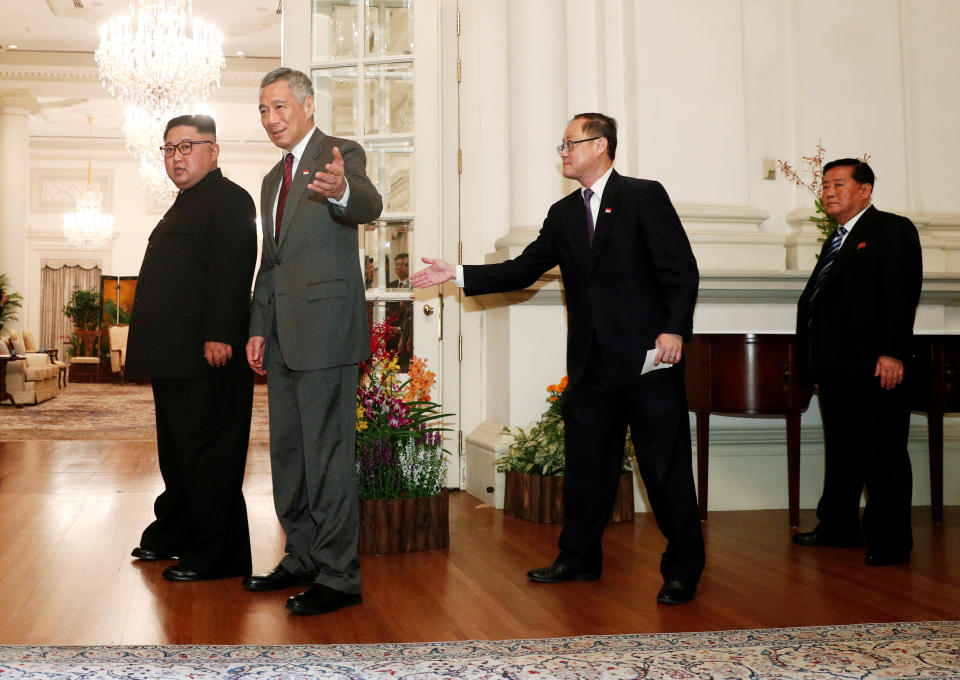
(865, 432)
(596, 412)
(203, 430)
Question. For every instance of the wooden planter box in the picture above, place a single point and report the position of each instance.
(405, 524)
(540, 499)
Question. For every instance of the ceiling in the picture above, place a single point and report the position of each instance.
(250, 26)
(62, 35)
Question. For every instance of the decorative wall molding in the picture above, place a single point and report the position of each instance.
(115, 150)
(702, 216)
(57, 189)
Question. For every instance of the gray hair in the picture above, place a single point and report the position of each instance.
(298, 81)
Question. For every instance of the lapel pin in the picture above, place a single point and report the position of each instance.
(608, 210)
(306, 172)
(861, 245)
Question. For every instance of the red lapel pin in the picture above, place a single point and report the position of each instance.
(608, 210)
(861, 245)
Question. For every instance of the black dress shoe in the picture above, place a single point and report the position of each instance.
(815, 537)
(559, 572)
(676, 592)
(278, 579)
(150, 555)
(321, 599)
(176, 572)
(879, 558)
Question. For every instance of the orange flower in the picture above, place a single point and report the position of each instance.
(421, 381)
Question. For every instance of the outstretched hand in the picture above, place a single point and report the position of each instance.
(438, 272)
(332, 183)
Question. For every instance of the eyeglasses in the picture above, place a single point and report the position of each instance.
(570, 143)
(185, 148)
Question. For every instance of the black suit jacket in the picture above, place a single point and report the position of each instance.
(868, 301)
(194, 283)
(638, 280)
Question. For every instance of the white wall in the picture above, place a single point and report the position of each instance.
(707, 93)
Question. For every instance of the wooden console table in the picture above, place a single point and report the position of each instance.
(745, 374)
(934, 388)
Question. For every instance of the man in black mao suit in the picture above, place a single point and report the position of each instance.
(187, 334)
(631, 286)
(854, 327)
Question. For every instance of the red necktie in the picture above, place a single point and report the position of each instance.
(284, 190)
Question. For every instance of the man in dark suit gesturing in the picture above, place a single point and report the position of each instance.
(854, 327)
(308, 332)
(631, 286)
(187, 332)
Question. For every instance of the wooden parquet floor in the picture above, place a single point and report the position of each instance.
(70, 512)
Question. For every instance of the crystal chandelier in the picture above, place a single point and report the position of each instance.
(153, 174)
(146, 58)
(143, 131)
(88, 226)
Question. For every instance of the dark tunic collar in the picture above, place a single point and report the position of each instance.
(210, 178)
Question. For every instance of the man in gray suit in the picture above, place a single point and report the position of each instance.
(308, 332)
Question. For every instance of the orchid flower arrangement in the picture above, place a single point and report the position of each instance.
(399, 449)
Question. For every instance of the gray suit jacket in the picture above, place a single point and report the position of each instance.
(310, 283)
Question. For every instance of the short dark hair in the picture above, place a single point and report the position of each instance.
(203, 124)
(862, 173)
(399, 255)
(599, 125)
(299, 82)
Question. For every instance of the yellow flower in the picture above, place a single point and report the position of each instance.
(361, 425)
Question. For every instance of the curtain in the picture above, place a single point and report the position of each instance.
(58, 280)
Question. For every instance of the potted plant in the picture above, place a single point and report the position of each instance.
(9, 302)
(401, 462)
(84, 310)
(534, 469)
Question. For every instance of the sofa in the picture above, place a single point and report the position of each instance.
(33, 380)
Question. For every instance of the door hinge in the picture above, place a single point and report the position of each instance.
(459, 24)
(459, 69)
(460, 442)
(459, 252)
(459, 161)
(459, 348)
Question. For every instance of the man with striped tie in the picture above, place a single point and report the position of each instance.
(854, 327)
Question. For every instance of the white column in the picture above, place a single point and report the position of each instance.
(15, 107)
(538, 107)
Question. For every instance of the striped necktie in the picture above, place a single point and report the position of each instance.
(284, 190)
(828, 260)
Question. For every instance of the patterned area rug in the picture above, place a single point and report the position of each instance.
(928, 650)
(92, 411)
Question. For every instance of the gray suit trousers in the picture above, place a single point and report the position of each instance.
(313, 419)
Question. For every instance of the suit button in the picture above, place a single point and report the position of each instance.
(279, 262)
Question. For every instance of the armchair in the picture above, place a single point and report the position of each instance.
(30, 341)
(118, 348)
(30, 381)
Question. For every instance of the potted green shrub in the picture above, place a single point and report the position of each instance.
(534, 469)
(10, 302)
(85, 311)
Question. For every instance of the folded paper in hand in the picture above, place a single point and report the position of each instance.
(648, 363)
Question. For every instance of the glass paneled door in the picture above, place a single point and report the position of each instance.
(367, 66)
